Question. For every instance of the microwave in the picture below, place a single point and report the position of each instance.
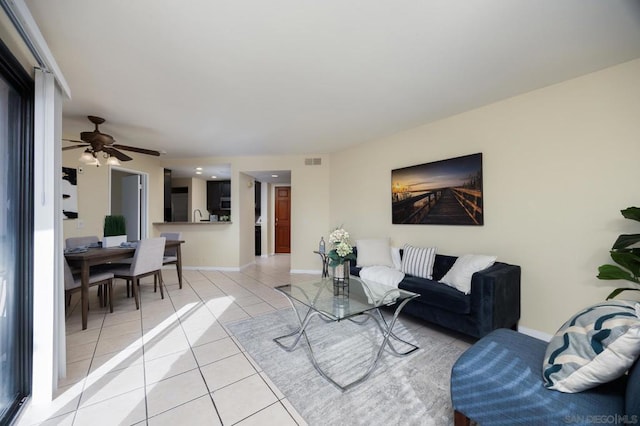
(225, 203)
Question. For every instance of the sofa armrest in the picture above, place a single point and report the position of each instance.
(495, 297)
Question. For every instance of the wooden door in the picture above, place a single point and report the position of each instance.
(283, 219)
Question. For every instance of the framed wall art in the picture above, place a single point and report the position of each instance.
(69, 193)
(446, 192)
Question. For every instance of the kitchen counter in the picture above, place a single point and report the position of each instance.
(207, 244)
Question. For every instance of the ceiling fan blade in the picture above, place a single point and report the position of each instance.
(135, 149)
(73, 140)
(74, 147)
(119, 155)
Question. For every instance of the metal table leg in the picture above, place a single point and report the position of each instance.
(386, 329)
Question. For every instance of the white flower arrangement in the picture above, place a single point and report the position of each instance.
(342, 250)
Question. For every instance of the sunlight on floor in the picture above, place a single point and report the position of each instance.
(173, 361)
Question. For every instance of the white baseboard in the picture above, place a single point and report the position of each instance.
(535, 333)
(246, 265)
(306, 271)
(212, 268)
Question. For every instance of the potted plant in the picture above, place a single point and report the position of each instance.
(627, 257)
(115, 231)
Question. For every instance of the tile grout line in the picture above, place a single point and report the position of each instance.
(209, 392)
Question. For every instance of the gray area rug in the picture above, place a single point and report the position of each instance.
(411, 390)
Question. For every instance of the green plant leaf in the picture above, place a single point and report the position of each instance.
(625, 240)
(617, 291)
(613, 272)
(627, 259)
(631, 213)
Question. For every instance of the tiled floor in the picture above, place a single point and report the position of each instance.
(173, 361)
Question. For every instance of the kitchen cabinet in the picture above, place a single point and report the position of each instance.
(258, 240)
(167, 195)
(219, 197)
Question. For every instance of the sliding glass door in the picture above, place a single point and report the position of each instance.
(16, 235)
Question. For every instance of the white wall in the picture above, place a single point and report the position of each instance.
(559, 163)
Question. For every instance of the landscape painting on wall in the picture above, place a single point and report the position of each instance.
(446, 192)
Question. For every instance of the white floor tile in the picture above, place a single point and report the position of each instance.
(243, 399)
(227, 371)
(174, 391)
(99, 388)
(214, 351)
(273, 415)
(124, 409)
(199, 412)
(168, 366)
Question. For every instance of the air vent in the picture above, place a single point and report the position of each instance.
(313, 161)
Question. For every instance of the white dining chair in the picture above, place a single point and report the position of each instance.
(73, 284)
(147, 261)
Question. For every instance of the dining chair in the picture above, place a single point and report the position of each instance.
(74, 242)
(86, 241)
(73, 284)
(147, 260)
(171, 254)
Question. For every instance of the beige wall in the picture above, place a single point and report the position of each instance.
(559, 163)
(309, 203)
(198, 197)
(93, 192)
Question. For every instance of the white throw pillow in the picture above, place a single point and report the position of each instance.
(396, 258)
(459, 276)
(374, 252)
(418, 261)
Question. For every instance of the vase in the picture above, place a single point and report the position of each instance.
(341, 278)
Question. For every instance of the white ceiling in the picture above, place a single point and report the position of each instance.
(252, 77)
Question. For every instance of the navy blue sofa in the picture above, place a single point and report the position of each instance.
(498, 381)
(494, 301)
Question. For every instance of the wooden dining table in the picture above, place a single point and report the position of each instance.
(100, 256)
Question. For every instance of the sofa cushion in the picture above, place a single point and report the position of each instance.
(374, 252)
(459, 276)
(597, 345)
(418, 261)
(433, 293)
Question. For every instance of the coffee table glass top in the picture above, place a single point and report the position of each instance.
(359, 297)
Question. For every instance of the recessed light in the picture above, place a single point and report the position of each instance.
(214, 177)
(274, 176)
(198, 168)
(198, 173)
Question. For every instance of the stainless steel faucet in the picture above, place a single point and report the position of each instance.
(194, 214)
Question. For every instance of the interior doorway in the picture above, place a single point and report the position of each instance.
(283, 219)
(128, 196)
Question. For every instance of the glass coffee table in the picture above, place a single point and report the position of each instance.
(357, 302)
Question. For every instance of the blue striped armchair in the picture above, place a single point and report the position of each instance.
(498, 381)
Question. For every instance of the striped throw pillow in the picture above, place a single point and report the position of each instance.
(597, 345)
(418, 261)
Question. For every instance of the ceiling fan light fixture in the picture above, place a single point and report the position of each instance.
(113, 161)
(94, 162)
(86, 157)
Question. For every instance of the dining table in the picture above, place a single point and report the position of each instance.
(94, 256)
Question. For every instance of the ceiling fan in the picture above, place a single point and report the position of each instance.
(96, 141)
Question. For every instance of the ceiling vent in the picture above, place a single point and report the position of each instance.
(313, 161)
